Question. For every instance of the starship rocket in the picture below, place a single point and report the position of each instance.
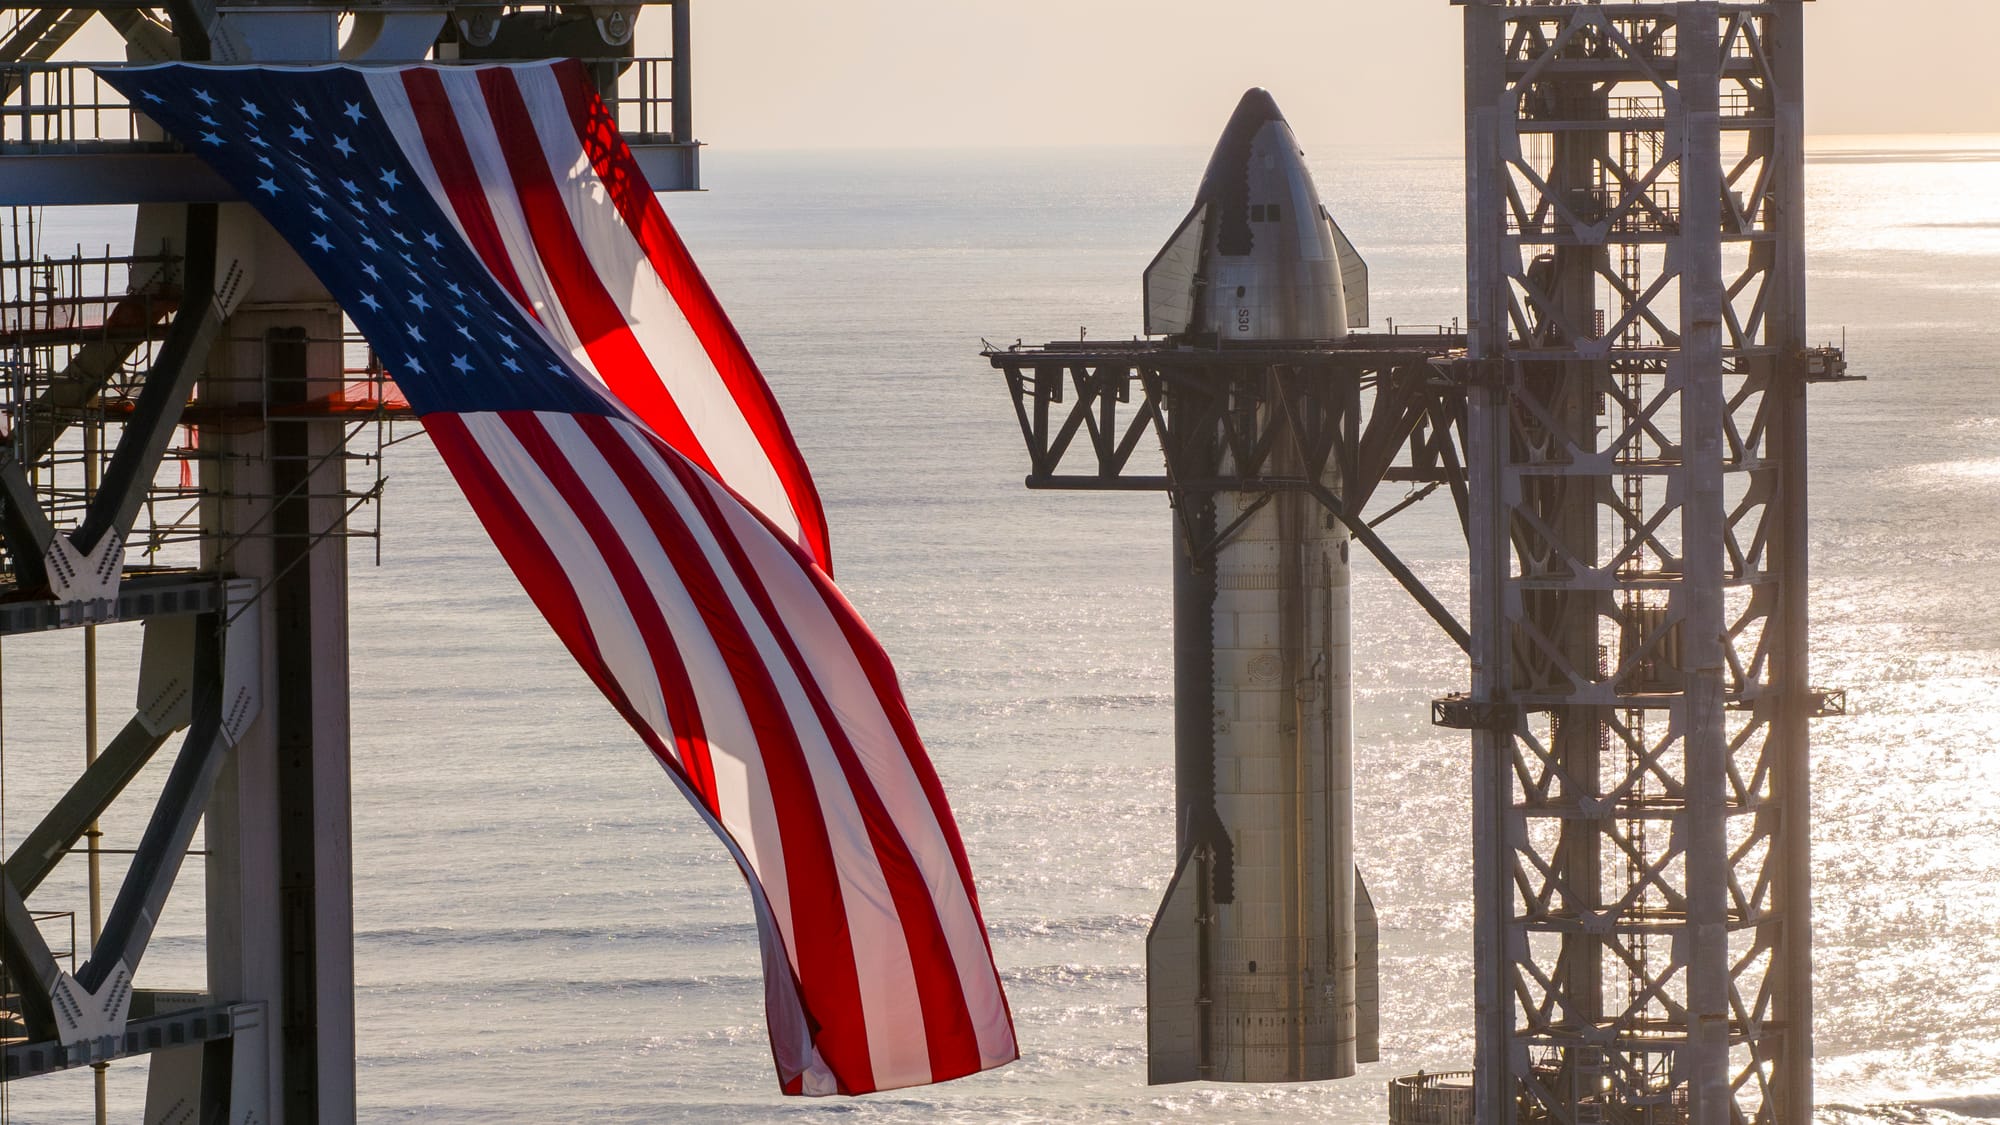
(1261, 963)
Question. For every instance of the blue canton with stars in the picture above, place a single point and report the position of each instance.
(308, 149)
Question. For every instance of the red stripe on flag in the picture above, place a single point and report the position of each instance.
(831, 989)
(666, 662)
(453, 163)
(952, 1041)
(881, 672)
(541, 574)
(519, 540)
(882, 676)
(597, 317)
(875, 662)
(527, 553)
(649, 226)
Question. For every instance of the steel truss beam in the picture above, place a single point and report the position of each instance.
(24, 527)
(139, 597)
(1381, 409)
(201, 674)
(37, 38)
(165, 1031)
(86, 563)
(64, 1010)
(129, 925)
(85, 801)
(132, 322)
(31, 967)
(164, 396)
(1636, 470)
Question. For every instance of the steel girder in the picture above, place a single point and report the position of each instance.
(63, 1009)
(1220, 418)
(1636, 461)
(85, 564)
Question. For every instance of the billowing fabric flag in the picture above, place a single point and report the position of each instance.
(490, 234)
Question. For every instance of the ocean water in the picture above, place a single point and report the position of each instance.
(546, 933)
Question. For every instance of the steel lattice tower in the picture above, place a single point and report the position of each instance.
(1636, 457)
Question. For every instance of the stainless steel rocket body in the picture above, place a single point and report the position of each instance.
(1261, 960)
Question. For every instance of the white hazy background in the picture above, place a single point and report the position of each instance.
(813, 74)
(925, 73)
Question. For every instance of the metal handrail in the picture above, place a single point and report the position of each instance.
(1444, 1098)
(55, 107)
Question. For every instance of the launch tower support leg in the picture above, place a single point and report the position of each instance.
(279, 831)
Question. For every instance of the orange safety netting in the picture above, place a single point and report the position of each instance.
(360, 396)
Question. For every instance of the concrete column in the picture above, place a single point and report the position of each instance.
(280, 914)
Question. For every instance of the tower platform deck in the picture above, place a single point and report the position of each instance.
(68, 139)
(1358, 350)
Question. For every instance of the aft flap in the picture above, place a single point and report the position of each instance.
(1172, 278)
(1367, 974)
(1353, 274)
(1173, 978)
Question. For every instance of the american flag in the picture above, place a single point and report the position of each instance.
(492, 237)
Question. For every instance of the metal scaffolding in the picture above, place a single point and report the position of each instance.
(1636, 461)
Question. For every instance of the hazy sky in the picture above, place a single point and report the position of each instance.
(874, 73)
(926, 73)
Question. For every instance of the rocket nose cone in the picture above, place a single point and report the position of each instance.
(1229, 163)
(1256, 108)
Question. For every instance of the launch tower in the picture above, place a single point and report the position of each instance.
(1635, 383)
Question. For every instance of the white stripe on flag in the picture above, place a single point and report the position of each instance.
(792, 1037)
(834, 665)
(658, 324)
(475, 125)
(743, 792)
(609, 619)
(791, 1034)
(896, 1042)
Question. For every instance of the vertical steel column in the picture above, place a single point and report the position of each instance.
(1790, 754)
(93, 836)
(296, 567)
(1635, 236)
(1700, 829)
(1488, 119)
